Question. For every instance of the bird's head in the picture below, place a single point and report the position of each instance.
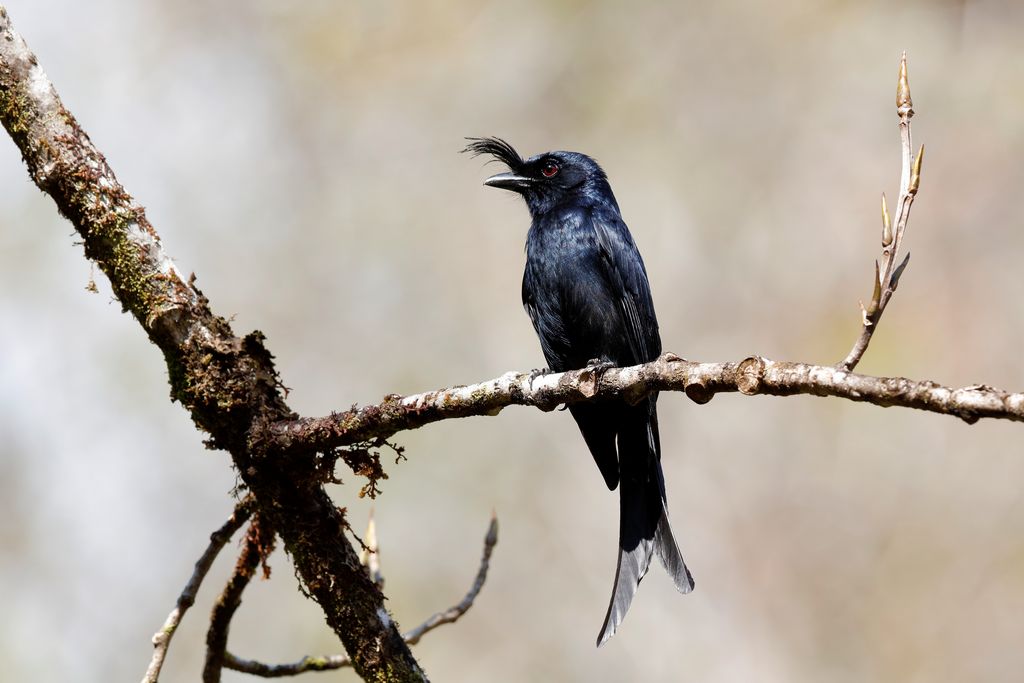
(545, 180)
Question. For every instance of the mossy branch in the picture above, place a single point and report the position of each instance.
(228, 383)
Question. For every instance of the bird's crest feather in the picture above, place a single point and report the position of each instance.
(497, 148)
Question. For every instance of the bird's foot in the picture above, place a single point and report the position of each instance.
(538, 372)
(590, 376)
(599, 366)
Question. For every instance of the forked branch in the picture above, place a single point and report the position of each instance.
(258, 544)
(162, 639)
(330, 662)
(888, 273)
(228, 383)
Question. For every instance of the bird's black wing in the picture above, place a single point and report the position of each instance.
(644, 528)
(627, 279)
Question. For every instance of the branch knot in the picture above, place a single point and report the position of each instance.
(749, 374)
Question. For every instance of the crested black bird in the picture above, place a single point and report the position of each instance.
(586, 291)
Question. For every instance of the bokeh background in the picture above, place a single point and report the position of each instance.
(301, 159)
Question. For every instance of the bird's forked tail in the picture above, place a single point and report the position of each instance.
(644, 528)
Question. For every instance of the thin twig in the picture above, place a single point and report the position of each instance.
(162, 638)
(888, 273)
(412, 637)
(258, 544)
(256, 668)
(452, 614)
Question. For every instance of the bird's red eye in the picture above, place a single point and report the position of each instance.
(549, 169)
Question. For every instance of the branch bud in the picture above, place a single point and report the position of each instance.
(886, 224)
(915, 172)
(904, 105)
(492, 530)
(876, 297)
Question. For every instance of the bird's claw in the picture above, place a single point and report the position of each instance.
(590, 376)
(538, 372)
(599, 366)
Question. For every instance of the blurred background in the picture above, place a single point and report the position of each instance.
(302, 160)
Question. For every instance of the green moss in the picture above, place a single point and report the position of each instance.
(13, 108)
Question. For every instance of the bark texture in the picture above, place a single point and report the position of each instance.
(227, 383)
(700, 381)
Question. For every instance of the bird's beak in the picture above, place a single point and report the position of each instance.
(509, 181)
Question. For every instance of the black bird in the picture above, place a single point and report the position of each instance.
(585, 289)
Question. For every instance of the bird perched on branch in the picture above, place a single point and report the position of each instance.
(585, 289)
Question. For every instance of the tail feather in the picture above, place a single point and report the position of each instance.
(644, 528)
(634, 559)
(668, 554)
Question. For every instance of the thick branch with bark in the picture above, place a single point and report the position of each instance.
(227, 383)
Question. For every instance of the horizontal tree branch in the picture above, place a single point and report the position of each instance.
(700, 381)
(307, 664)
